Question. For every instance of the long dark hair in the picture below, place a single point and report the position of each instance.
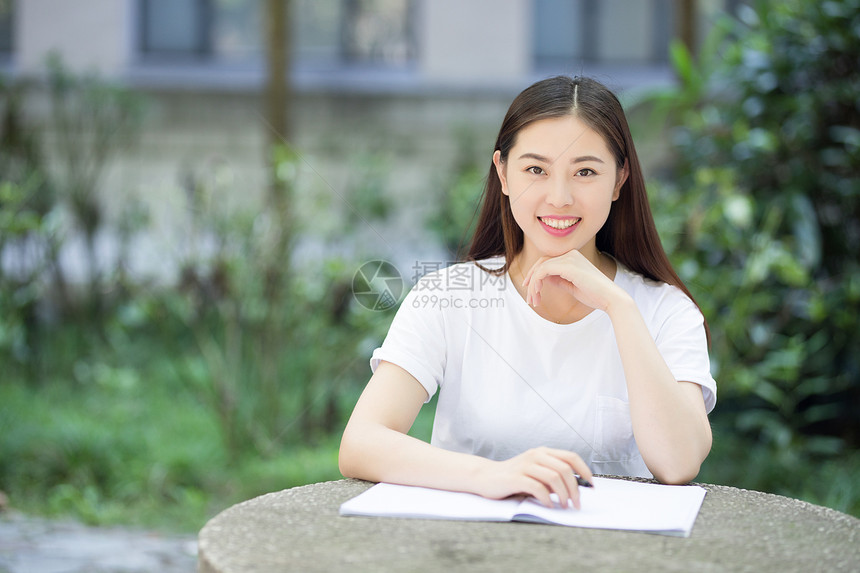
(629, 234)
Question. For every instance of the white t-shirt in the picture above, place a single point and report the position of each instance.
(510, 380)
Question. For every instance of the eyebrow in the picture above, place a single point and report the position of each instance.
(541, 158)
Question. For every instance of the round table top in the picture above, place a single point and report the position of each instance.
(736, 530)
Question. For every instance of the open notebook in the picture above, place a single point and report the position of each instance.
(611, 504)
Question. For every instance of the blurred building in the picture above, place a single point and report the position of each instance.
(389, 77)
(379, 45)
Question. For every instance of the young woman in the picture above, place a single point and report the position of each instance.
(566, 344)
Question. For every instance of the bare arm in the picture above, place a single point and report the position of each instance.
(376, 447)
(669, 418)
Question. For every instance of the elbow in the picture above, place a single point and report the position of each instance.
(343, 465)
(346, 457)
(677, 475)
(684, 464)
(352, 457)
(681, 470)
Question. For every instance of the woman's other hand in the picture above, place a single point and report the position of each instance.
(538, 472)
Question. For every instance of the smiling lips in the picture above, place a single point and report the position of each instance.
(559, 225)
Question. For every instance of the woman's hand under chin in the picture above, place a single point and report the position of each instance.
(575, 274)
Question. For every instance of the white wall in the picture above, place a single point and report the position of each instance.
(475, 42)
(91, 35)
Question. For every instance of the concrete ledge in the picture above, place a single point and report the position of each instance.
(737, 530)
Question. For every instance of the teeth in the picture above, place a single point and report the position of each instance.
(560, 223)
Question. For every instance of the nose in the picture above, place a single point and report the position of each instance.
(559, 193)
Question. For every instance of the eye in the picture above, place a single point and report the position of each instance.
(586, 172)
(535, 170)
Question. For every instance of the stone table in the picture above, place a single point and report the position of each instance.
(299, 529)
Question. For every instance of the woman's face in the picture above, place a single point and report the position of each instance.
(561, 180)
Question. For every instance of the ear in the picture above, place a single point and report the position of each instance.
(620, 179)
(501, 171)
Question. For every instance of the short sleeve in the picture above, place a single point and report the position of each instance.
(683, 344)
(416, 339)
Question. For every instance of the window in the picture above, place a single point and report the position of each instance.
(175, 27)
(561, 31)
(572, 32)
(377, 32)
(339, 32)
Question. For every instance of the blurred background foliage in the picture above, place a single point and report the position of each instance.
(135, 402)
(130, 400)
(762, 218)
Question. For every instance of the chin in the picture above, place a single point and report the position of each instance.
(556, 250)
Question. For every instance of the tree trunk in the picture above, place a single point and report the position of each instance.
(277, 90)
(275, 256)
(686, 22)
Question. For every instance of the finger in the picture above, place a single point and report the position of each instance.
(563, 483)
(539, 277)
(572, 485)
(580, 473)
(582, 469)
(537, 285)
(528, 276)
(574, 496)
(575, 465)
(574, 461)
(554, 480)
(531, 271)
(537, 490)
(562, 478)
(560, 462)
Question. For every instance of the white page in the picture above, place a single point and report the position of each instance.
(391, 500)
(611, 504)
(621, 504)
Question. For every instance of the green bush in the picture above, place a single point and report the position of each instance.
(763, 217)
(161, 403)
(276, 349)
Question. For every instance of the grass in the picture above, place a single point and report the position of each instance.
(141, 453)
